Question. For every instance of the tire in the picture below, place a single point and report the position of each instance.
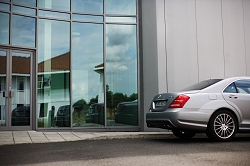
(183, 134)
(222, 126)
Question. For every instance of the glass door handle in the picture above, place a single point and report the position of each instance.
(5, 94)
(11, 94)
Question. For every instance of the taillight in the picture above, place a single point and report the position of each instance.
(179, 101)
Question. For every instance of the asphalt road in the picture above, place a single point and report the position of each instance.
(130, 152)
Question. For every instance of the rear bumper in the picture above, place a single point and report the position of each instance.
(185, 119)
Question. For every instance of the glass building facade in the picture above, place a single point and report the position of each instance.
(69, 64)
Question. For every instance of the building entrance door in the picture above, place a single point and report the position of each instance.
(15, 93)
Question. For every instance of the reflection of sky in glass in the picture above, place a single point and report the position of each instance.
(4, 28)
(53, 38)
(55, 4)
(121, 58)
(4, 6)
(43, 13)
(121, 19)
(87, 17)
(25, 2)
(93, 6)
(121, 7)
(87, 52)
(23, 31)
(23, 10)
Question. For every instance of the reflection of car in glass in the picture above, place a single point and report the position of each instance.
(62, 118)
(20, 116)
(127, 113)
(95, 114)
(217, 107)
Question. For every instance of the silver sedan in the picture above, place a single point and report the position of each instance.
(218, 107)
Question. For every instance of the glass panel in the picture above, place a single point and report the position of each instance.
(87, 18)
(6, 0)
(23, 31)
(53, 74)
(127, 7)
(25, 2)
(20, 114)
(4, 28)
(4, 6)
(87, 74)
(24, 10)
(230, 89)
(243, 86)
(121, 75)
(54, 14)
(3, 63)
(55, 4)
(93, 6)
(121, 19)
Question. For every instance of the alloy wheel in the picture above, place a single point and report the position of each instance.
(224, 126)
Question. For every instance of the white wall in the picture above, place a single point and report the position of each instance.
(233, 30)
(182, 66)
(246, 8)
(205, 39)
(209, 39)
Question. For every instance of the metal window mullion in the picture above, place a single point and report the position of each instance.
(104, 62)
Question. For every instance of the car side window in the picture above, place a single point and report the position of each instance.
(230, 89)
(243, 86)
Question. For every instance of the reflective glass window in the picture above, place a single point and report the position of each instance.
(87, 75)
(20, 104)
(3, 62)
(127, 7)
(87, 17)
(55, 4)
(53, 74)
(25, 2)
(121, 75)
(4, 6)
(23, 10)
(230, 89)
(4, 28)
(243, 86)
(93, 6)
(54, 14)
(121, 19)
(23, 31)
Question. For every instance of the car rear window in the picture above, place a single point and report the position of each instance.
(201, 85)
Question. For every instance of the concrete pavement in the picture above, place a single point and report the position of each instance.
(28, 137)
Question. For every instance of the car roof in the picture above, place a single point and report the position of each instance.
(221, 85)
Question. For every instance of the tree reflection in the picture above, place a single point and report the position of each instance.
(81, 107)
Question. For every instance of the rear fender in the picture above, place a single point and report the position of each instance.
(215, 105)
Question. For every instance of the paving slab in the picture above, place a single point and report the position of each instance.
(68, 136)
(53, 137)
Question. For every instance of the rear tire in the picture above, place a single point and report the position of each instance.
(183, 134)
(222, 126)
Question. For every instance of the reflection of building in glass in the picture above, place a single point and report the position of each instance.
(19, 90)
(53, 85)
(100, 70)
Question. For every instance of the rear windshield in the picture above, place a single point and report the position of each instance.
(201, 85)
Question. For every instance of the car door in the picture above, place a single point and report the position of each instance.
(237, 94)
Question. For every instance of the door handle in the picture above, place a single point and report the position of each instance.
(232, 97)
(5, 94)
(11, 94)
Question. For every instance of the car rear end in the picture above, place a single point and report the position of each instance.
(181, 110)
